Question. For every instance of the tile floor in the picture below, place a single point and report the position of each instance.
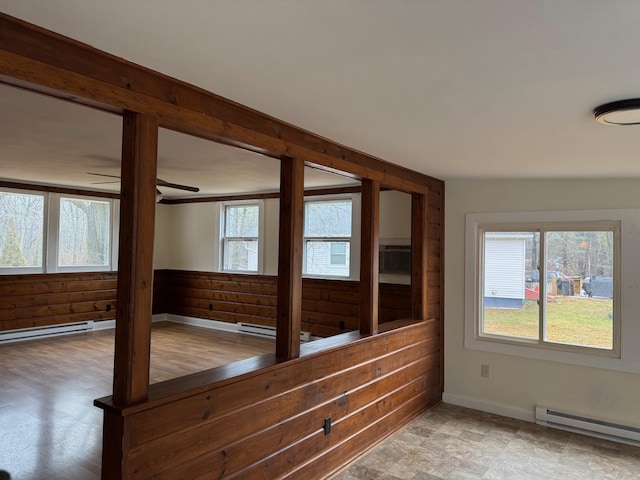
(450, 442)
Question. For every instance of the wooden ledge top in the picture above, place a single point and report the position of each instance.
(199, 382)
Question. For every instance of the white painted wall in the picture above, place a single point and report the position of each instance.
(162, 240)
(395, 216)
(186, 234)
(517, 384)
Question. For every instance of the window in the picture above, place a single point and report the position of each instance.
(47, 233)
(241, 228)
(327, 237)
(84, 233)
(21, 231)
(573, 305)
(548, 285)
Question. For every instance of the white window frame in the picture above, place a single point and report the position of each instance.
(51, 225)
(625, 355)
(353, 262)
(223, 239)
(53, 250)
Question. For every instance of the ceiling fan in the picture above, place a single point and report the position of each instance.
(159, 183)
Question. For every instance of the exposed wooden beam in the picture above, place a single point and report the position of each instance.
(56, 189)
(135, 265)
(261, 196)
(289, 306)
(30, 54)
(419, 255)
(369, 249)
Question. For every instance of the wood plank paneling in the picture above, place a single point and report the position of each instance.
(37, 300)
(329, 307)
(268, 423)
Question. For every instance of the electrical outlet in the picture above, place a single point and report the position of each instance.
(485, 371)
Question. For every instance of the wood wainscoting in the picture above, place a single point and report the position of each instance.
(37, 300)
(329, 307)
(260, 418)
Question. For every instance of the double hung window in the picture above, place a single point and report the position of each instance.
(327, 237)
(241, 237)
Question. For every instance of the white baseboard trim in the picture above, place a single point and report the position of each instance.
(489, 407)
(169, 317)
(200, 322)
(104, 325)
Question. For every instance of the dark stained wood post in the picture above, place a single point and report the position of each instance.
(419, 255)
(289, 308)
(369, 250)
(135, 261)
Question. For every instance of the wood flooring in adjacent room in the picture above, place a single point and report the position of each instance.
(453, 443)
(49, 428)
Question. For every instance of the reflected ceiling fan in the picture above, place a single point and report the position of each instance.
(159, 183)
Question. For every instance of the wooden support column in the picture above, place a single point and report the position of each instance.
(289, 308)
(135, 261)
(369, 250)
(419, 255)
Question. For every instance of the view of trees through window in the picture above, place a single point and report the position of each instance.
(84, 233)
(327, 232)
(577, 286)
(82, 236)
(21, 230)
(240, 245)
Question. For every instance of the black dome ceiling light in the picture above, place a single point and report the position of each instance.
(622, 112)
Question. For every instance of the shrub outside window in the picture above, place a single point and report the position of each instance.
(21, 231)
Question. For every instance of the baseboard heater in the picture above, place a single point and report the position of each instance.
(588, 426)
(265, 331)
(46, 331)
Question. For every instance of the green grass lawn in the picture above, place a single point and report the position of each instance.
(573, 320)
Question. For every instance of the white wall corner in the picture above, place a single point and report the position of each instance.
(489, 407)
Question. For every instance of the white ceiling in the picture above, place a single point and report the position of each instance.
(450, 88)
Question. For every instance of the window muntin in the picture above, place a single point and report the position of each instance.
(84, 232)
(576, 259)
(327, 237)
(241, 237)
(21, 231)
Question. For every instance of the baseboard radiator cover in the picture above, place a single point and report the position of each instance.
(45, 331)
(266, 331)
(588, 426)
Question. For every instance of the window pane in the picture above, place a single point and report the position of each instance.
(328, 219)
(21, 229)
(241, 255)
(338, 253)
(84, 233)
(242, 221)
(580, 305)
(319, 258)
(510, 298)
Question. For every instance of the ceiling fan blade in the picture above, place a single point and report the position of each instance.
(177, 186)
(103, 175)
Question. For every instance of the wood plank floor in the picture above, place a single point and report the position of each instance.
(49, 428)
